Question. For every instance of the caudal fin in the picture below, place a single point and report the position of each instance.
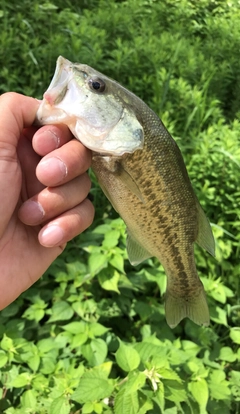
(194, 308)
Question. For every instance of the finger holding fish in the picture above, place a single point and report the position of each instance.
(50, 137)
(64, 164)
(59, 173)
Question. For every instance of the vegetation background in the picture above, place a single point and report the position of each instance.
(91, 336)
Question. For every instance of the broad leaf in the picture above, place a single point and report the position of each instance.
(93, 386)
(127, 357)
(61, 310)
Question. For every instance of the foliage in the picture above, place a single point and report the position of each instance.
(91, 336)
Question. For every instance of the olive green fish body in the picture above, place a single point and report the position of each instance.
(141, 170)
(151, 191)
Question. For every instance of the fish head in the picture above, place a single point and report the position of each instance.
(96, 109)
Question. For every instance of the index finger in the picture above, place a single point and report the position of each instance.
(50, 137)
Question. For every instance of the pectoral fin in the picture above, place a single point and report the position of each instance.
(114, 165)
(205, 237)
(131, 184)
(136, 253)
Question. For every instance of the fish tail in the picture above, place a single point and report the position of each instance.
(194, 308)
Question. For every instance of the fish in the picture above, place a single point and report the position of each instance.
(141, 171)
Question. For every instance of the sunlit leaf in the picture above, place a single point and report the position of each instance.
(61, 310)
(93, 386)
(199, 390)
(127, 357)
(60, 405)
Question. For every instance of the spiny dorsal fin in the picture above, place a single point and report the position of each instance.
(136, 253)
(205, 237)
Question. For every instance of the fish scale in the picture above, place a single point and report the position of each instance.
(141, 170)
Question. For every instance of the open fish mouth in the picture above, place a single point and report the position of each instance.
(101, 122)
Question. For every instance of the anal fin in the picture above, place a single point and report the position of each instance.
(136, 253)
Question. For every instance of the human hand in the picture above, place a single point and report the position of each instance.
(43, 187)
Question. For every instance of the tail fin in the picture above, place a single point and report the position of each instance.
(194, 308)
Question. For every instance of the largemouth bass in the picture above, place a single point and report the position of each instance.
(141, 170)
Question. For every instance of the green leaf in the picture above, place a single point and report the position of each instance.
(159, 396)
(235, 335)
(168, 374)
(46, 345)
(3, 358)
(97, 262)
(48, 6)
(219, 387)
(28, 400)
(75, 327)
(10, 310)
(93, 386)
(102, 229)
(87, 408)
(219, 315)
(79, 339)
(60, 405)
(111, 239)
(174, 391)
(126, 403)
(33, 362)
(21, 381)
(127, 357)
(109, 279)
(48, 363)
(135, 381)
(145, 403)
(147, 349)
(199, 390)
(96, 329)
(95, 351)
(98, 408)
(61, 310)
(7, 343)
(227, 354)
(34, 313)
(117, 261)
(143, 309)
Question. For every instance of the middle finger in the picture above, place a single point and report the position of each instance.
(64, 164)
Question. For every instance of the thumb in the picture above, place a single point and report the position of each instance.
(16, 113)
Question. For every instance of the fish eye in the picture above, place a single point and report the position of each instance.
(97, 84)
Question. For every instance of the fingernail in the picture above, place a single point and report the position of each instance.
(53, 137)
(32, 212)
(51, 236)
(54, 167)
(49, 136)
